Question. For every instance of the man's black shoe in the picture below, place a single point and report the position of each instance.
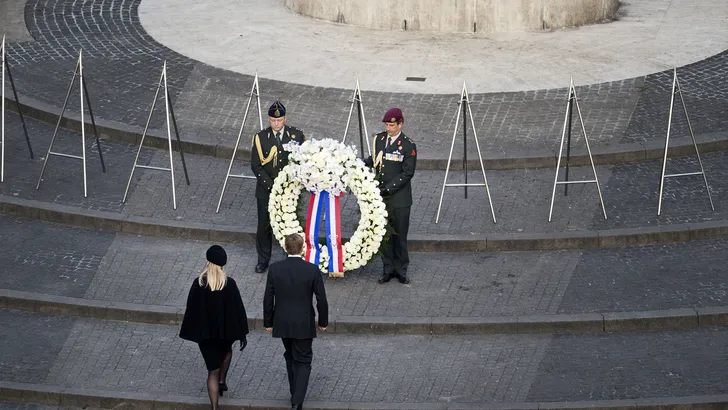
(261, 267)
(297, 407)
(385, 278)
(403, 279)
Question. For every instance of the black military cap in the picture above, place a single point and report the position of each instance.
(277, 110)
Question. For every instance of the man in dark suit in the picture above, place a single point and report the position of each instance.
(269, 155)
(394, 161)
(288, 313)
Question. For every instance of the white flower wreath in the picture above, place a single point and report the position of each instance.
(328, 165)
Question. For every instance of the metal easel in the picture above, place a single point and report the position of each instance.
(676, 88)
(357, 100)
(465, 102)
(6, 67)
(255, 91)
(573, 100)
(83, 90)
(169, 113)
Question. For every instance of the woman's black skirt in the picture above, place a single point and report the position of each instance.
(214, 351)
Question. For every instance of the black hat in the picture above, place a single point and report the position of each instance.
(216, 254)
(277, 110)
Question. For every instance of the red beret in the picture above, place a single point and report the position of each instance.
(393, 115)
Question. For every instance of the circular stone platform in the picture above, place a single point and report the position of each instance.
(248, 35)
(487, 16)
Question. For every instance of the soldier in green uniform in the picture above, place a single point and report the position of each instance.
(394, 161)
(268, 156)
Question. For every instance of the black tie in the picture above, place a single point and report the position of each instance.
(388, 140)
(278, 138)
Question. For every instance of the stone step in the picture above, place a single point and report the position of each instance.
(670, 319)
(111, 359)
(436, 160)
(521, 200)
(26, 396)
(63, 270)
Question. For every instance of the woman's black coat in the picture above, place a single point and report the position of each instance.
(214, 315)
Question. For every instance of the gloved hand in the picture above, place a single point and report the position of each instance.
(243, 343)
(383, 192)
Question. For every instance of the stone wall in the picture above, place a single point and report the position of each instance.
(490, 16)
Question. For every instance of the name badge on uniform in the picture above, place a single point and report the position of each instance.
(396, 157)
(290, 145)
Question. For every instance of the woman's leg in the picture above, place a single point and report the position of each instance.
(213, 387)
(225, 366)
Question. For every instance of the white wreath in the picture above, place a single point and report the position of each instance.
(328, 165)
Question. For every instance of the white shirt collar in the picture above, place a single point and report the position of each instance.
(280, 132)
(392, 139)
(295, 256)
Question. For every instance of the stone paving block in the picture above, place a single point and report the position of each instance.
(719, 401)
(269, 404)
(219, 233)
(644, 235)
(655, 320)
(596, 405)
(587, 322)
(399, 406)
(105, 399)
(333, 405)
(17, 208)
(172, 229)
(142, 313)
(472, 325)
(12, 391)
(171, 402)
(443, 243)
(43, 394)
(712, 316)
(493, 406)
(381, 325)
(89, 219)
(543, 241)
(612, 154)
(707, 230)
(61, 305)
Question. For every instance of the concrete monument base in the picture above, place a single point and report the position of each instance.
(488, 16)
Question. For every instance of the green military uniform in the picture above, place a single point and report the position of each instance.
(268, 156)
(395, 166)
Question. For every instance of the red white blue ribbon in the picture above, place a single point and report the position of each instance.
(329, 204)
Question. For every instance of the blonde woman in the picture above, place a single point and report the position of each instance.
(214, 319)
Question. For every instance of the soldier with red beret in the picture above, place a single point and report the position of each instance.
(394, 161)
(269, 155)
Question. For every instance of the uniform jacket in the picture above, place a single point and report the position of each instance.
(395, 167)
(214, 315)
(287, 303)
(266, 162)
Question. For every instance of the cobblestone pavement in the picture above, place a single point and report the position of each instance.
(51, 259)
(131, 357)
(31, 406)
(122, 64)
(520, 197)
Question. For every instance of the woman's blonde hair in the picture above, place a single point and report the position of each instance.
(213, 276)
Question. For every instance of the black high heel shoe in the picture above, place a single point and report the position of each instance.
(222, 388)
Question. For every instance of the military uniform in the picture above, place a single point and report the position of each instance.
(268, 157)
(395, 166)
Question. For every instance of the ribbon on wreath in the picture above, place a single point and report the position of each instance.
(330, 205)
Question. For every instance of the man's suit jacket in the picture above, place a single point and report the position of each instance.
(287, 304)
(395, 166)
(266, 164)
